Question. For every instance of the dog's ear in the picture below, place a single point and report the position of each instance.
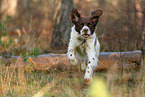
(95, 16)
(75, 15)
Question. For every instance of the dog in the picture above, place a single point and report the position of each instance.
(83, 44)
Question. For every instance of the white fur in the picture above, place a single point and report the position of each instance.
(78, 50)
(85, 27)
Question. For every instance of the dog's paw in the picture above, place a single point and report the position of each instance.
(88, 81)
(88, 75)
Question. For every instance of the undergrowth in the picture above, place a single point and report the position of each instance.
(17, 81)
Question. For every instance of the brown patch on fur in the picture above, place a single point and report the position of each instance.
(87, 81)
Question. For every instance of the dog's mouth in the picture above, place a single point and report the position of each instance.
(85, 35)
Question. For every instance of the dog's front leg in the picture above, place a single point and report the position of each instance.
(72, 57)
(92, 63)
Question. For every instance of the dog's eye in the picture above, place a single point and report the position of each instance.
(82, 24)
(89, 24)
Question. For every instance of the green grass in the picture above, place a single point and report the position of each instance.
(16, 81)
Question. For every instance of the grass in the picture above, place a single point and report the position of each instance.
(20, 81)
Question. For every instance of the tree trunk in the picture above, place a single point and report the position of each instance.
(62, 26)
(7, 7)
(140, 12)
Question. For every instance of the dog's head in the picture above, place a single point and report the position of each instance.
(85, 25)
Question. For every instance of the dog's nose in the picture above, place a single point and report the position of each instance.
(85, 30)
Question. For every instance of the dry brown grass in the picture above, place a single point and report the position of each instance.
(16, 81)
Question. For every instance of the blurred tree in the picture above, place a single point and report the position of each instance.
(142, 11)
(62, 26)
(7, 7)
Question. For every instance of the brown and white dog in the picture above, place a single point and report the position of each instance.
(84, 45)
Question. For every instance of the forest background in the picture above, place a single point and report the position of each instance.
(46, 25)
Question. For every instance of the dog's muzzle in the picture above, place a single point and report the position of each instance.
(85, 33)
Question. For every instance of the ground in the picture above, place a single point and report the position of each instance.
(55, 81)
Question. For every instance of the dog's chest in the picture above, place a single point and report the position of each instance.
(81, 49)
(83, 45)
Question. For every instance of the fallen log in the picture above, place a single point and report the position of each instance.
(106, 60)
